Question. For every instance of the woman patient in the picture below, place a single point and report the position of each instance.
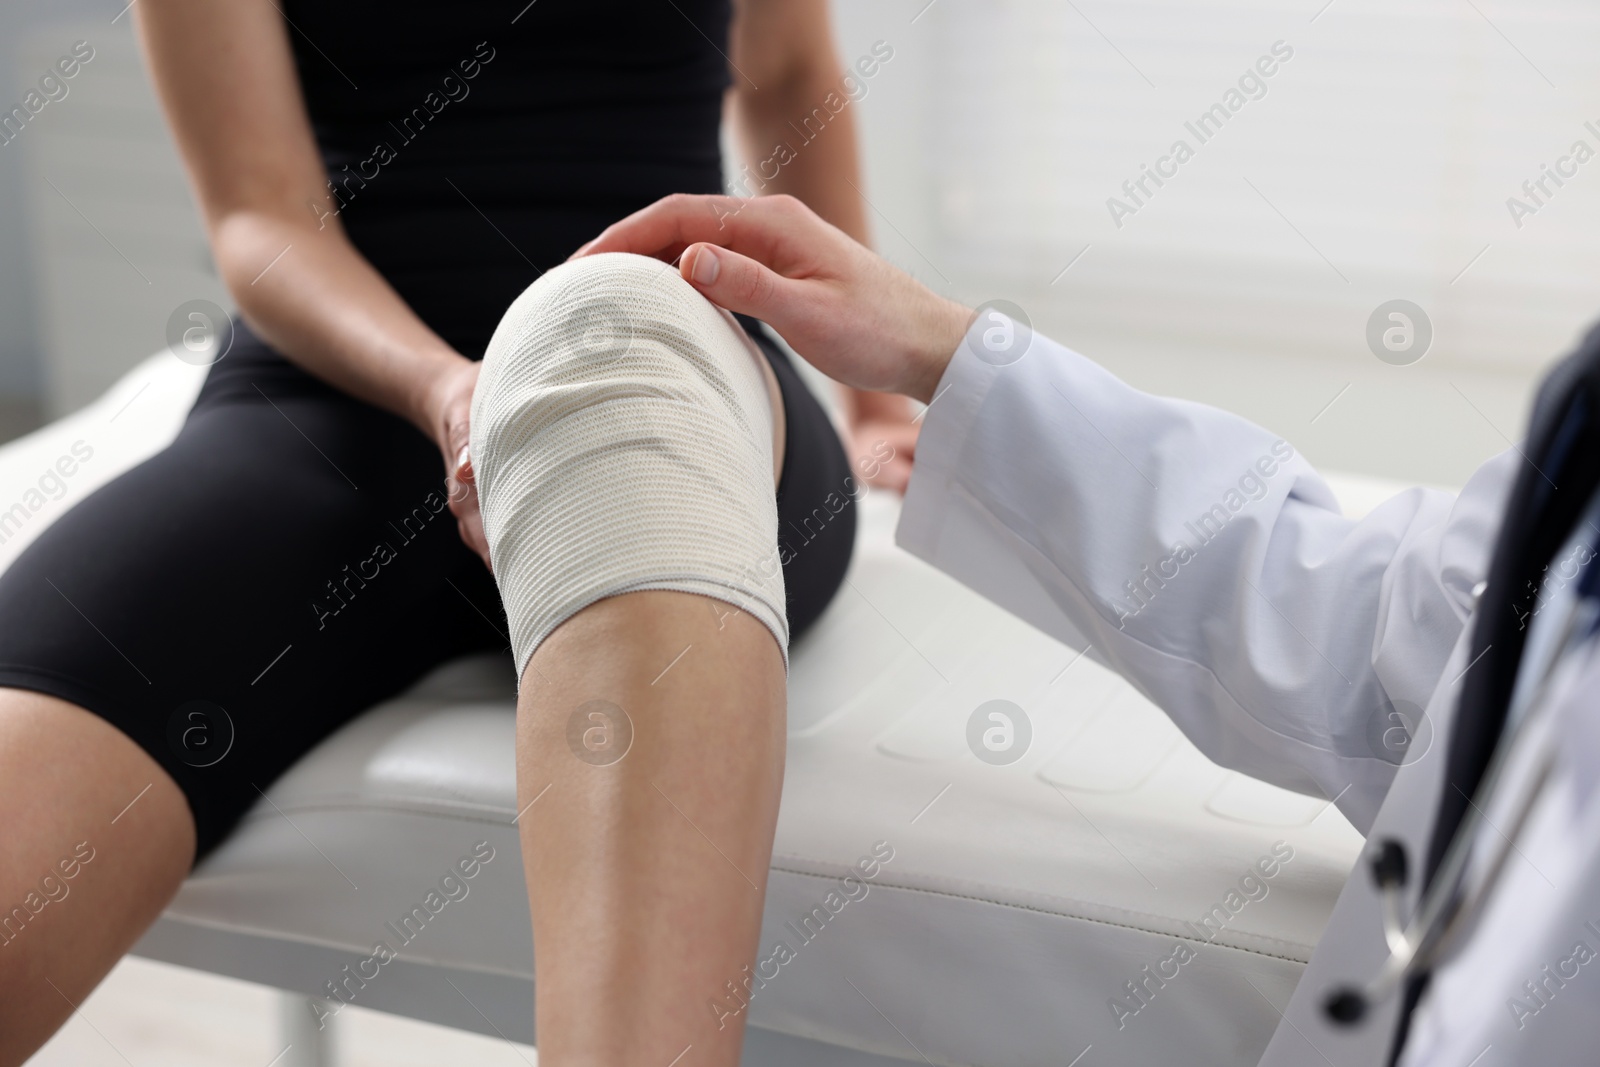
(380, 181)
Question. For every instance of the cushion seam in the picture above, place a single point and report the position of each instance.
(1064, 915)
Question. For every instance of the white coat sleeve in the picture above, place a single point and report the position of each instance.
(1203, 559)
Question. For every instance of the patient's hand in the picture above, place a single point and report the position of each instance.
(852, 315)
(450, 411)
(881, 437)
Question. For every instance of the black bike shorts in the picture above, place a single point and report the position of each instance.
(290, 561)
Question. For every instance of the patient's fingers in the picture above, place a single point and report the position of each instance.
(461, 484)
(883, 452)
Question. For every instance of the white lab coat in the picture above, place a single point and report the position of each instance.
(1284, 639)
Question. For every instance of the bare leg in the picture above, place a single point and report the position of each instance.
(646, 876)
(68, 789)
(646, 861)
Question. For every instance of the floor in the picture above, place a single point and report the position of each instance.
(154, 1015)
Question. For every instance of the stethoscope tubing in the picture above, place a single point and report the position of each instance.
(1449, 909)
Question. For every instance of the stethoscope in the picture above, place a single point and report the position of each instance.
(1450, 907)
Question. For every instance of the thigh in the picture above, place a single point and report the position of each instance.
(94, 840)
(289, 561)
(817, 495)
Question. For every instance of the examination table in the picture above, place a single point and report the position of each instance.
(1104, 899)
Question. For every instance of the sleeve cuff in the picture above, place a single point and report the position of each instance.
(946, 423)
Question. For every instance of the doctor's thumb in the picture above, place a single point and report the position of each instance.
(736, 282)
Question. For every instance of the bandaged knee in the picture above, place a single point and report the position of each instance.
(622, 441)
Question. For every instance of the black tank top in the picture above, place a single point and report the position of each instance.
(474, 144)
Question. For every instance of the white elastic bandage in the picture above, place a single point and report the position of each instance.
(622, 440)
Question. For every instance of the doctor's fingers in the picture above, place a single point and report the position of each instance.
(778, 231)
(845, 327)
(746, 287)
(855, 317)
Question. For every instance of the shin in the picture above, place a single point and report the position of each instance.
(622, 438)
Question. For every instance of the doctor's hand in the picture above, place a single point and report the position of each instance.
(848, 312)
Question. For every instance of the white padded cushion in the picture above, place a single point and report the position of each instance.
(1020, 898)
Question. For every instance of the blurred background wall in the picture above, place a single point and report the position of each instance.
(100, 236)
(1375, 163)
(21, 371)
